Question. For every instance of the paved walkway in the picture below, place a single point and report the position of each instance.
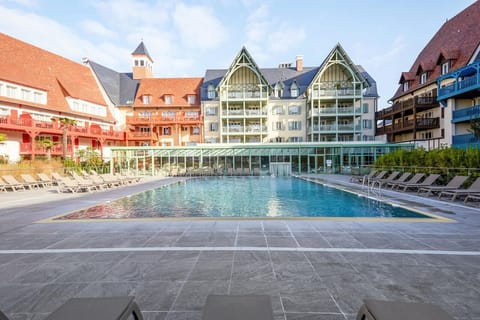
(311, 269)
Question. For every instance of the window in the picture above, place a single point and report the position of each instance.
(211, 111)
(37, 97)
(277, 126)
(136, 63)
(423, 78)
(278, 110)
(278, 90)
(191, 99)
(445, 67)
(295, 139)
(26, 95)
(145, 129)
(11, 92)
(168, 114)
(294, 90)
(211, 91)
(367, 124)
(294, 125)
(427, 135)
(142, 63)
(196, 131)
(166, 131)
(147, 99)
(365, 108)
(168, 99)
(293, 110)
(214, 126)
(405, 86)
(145, 114)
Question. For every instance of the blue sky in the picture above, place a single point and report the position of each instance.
(187, 37)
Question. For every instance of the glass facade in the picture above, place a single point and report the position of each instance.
(249, 159)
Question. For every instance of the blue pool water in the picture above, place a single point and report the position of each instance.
(243, 197)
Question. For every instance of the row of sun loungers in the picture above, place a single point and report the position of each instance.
(424, 185)
(76, 183)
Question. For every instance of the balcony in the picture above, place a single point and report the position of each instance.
(416, 124)
(254, 113)
(243, 92)
(142, 136)
(465, 140)
(28, 124)
(170, 118)
(56, 150)
(466, 114)
(340, 92)
(466, 81)
(407, 106)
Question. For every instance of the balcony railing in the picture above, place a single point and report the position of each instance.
(410, 125)
(55, 128)
(466, 114)
(135, 135)
(241, 113)
(465, 140)
(177, 117)
(466, 79)
(29, 148)
(420, 103)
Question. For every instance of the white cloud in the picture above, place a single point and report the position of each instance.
(57, 38)
(96, 28)
(268, 36)
(198, 26)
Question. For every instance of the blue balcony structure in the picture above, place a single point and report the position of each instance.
(466, 83)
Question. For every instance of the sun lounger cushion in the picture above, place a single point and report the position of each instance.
(394, 310)
(110, 308)
(251, 307)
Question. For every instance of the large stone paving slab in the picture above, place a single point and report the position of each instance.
(311, 269)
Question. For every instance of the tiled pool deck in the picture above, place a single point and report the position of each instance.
(312, 269)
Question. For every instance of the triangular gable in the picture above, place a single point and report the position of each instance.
(339, 54)
(407, 76)
(243, 59)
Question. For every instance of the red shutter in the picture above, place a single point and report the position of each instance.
(55, 138)
(25, 138)
(94, 144)
(76, 142)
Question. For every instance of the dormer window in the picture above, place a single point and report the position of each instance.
(211, 91)
(423, 78)
(278, 90)
(191, 99)
(168, 99)
(147, 99)
(405, 86)
(445, 67)
(294, 90)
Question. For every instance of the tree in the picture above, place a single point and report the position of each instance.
(475, 128)
(48, 145)
(66, 122)
(90, 159)
(3, 137)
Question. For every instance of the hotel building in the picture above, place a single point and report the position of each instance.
(247, 104)
(437, 100)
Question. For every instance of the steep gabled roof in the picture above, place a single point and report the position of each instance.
(242, 59)
(456, 40)
(27, 65)
(331, 58)
(120, 87)
(142, 50)
(179, 88)
(371, 91)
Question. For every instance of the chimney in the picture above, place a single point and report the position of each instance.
(299, 63)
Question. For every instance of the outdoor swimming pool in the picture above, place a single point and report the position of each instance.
(246, 197)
